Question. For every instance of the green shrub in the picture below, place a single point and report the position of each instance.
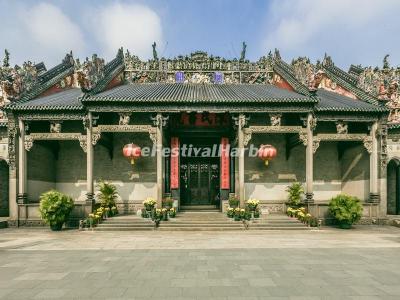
(55, 208)
(345, 209)
(233, 201)
(296, 192)
(108, 194)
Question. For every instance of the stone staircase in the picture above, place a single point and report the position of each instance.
(125, 223)
(276, 222)
(201, 220)
(197, 220)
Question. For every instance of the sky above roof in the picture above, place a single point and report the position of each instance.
(352, 32)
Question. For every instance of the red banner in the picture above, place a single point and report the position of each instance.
(174, 163)
(225, 163)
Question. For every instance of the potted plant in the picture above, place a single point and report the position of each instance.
(247, 215)
(91, 220)
(107, 194)
(230, 212)
(149, 203)
(233, 201)
(55, 208)
(144, 213)
(164, 213)
(106, 212)
(237, 214)
(114, 210)
(295, 194)
(257, 213)
(168, 202)
(252, 204)
(172, 212)
(346, 210)
(157, 216)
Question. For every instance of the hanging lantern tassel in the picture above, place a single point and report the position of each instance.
(131, 152)
(267, 153)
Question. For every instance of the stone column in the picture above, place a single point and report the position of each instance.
(240, 135)
(159, 143)
(22, 165)
(89, 163)
(373, 165)
(309, 161)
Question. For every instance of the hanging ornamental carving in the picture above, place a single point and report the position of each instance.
(90, 72)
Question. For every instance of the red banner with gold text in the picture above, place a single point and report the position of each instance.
(174, 163)
(225, 163)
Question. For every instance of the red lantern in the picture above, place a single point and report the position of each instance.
(266, 153)
(132, 151)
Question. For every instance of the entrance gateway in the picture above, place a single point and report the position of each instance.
(201, 172)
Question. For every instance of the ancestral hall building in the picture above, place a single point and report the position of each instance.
(65, 128)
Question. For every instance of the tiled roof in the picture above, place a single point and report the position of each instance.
(198, 93)
(286, 71)
(65, 100)
(330, 101)
(348, 82)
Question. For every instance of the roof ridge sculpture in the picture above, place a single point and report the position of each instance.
(94, 75)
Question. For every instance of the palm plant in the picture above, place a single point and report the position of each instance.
(107, 194)
(296, 192)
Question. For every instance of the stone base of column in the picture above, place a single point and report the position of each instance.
(22, 198)
(89, 203)
(309, 198)
(374, 198)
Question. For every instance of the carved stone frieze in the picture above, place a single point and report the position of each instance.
(30, 138)
(54, 136)
(122, 128)
(342, 137)
(40, 116)
(275, 129)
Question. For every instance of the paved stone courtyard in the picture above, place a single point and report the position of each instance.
(363, 263)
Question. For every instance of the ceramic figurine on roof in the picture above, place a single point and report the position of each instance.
(91, 72)
(243, 53)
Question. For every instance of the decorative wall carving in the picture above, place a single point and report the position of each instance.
(275, 119)
(341, 127)
(55, 127)
(124, 118)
